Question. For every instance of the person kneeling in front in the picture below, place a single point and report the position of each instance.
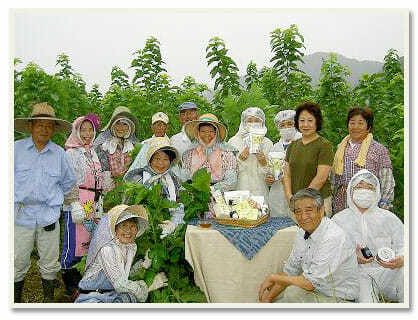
(322, 265)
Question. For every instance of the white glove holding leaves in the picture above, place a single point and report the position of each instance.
(160, 281)
(168, 228)
(134, 269)
(147, 261)
(177, 214)
(77, 212)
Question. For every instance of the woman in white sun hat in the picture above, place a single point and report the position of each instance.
(109, 262)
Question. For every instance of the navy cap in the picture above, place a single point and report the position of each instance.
(188, 105)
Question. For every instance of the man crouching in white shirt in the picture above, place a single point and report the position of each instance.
(322, 266)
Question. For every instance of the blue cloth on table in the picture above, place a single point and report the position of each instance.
(250, 241)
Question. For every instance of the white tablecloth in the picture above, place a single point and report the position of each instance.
(223, 273)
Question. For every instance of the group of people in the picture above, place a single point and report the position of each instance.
(355, 187)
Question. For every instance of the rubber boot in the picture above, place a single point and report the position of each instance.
(48, 286)
(18, 291)
(71, 278)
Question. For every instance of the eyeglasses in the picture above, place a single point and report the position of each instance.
(307, 211)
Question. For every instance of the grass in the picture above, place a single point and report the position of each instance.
(32, 290)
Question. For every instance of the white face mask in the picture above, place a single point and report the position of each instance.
(288, 133)
(364, 198)
(253, 125)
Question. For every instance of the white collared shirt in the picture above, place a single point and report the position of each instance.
(181, 142)
(327, 259)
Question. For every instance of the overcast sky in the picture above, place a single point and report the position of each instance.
(98, 40)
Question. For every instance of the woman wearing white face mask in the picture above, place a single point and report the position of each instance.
(374, 228)
(285, 123)
(252, 163)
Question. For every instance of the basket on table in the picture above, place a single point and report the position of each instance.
(243, 223)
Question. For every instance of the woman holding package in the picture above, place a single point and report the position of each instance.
(359, 150)
(161, 157)
(86, 198)
(285, 124)
(209, 151)
(308, 160)
(115, 142)
(253, 149)
(381, 232)
(109, 262)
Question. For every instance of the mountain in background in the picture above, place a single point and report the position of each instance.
(313, 63)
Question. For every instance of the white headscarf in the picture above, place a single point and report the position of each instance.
(252, 112)
(284, 115)
(111, 144)
(366, 176)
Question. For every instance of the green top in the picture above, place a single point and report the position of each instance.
(303, 162)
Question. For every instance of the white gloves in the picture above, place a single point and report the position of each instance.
(147, 261)
(160, 281)
(168, 228)
(108, 183)
(178, 214)
(77, 212)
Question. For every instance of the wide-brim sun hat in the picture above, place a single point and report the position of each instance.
(42, 111)
(125, 212)
(161, 144)
(192, 128)
(121, 112)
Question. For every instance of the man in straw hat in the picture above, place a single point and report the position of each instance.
(42, 175)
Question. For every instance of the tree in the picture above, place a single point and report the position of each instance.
(189, 83)
(225, 69)
(95, 97)
(65, 95)
(148, 65)
(334, 95)
(252, 75)
(119, 78)
(392, 65)
(66, 71)
(286, 46)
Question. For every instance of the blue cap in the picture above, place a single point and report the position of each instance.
(188, 105)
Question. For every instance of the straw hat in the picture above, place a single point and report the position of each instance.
(42, 111)
(191, 128)
(121, 112)
(159, 144)
(134, 211)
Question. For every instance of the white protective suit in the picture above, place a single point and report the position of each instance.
(276, 199)
(251, 175)
(375, 228)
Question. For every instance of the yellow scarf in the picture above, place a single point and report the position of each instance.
(338, 165)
